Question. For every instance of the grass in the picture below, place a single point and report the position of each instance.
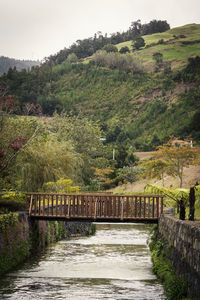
(175, 51)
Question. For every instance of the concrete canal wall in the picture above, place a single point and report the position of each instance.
(20, 237)
(182, 244)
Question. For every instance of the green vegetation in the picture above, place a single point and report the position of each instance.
(180, 198)
(175, 287)
(14, 243)
(12, 201)
(93, 107)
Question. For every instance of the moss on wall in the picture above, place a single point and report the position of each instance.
(19, 237)
(14, 241)
(175, 286)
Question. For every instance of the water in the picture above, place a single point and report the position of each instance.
(113, 264)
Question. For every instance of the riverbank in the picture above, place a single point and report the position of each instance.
(175, 250)
(20, 237)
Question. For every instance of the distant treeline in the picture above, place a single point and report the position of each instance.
(6, 63)
(87, 47)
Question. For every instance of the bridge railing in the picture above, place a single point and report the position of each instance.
(95, 206)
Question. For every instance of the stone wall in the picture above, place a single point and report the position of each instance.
(20, 237)
(182, 244)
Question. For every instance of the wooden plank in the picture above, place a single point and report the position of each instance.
(157, 206)
(35, 204)
(52, 198)
(136, 207)
(82, 206)
(73, 206)
(122, 208)
(77, 206)
(140, 206)
(161, 209)
(65, 206)
(86, 206)
(90, 206)
(153, 208)
(47, 205)
(110, 205)
(69, 207)
(144, 207)
(119, 207)
(31, 205)
(56, 205)
(95, 207)
(114, 206)
(148, 207)
(40, 196)
(131, 207)
(61, 205)
(127, 206)
(105, 207)
(43, 204)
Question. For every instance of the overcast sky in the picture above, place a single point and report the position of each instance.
(34, 29)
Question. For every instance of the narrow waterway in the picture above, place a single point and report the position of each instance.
(113, 264)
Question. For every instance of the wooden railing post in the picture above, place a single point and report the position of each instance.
(31, 205)
(122, 209)
(161, 209)
(69, 207)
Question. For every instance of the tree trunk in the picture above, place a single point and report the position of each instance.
(182, 210)
(191, 204)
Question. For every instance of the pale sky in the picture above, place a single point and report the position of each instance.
(34, 29)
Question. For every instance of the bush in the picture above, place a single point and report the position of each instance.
(12, 201)
(124, 50)
(110, 48)
(117, 60)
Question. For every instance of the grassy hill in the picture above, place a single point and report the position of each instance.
(138, 109)
(178, 44)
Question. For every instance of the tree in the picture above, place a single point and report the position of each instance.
(15, 135)
(72, 58)
(138, 43)
(46, 159)
(158, 57)
(124, 50)
(103, 177)
(110, 48)
(156, 168)
(85, 138)
(60, 186)
(179, 157)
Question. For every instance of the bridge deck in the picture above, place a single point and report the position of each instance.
(95, 207)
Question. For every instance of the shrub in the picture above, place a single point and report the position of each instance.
(110, 48)
(117, 60)
(124, 50)
(12, 201)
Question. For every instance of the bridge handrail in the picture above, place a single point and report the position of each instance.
(93, 206)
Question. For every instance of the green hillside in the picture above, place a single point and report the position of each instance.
(138, 108)
(179, 44)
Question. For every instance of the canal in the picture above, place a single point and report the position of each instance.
(113, 264)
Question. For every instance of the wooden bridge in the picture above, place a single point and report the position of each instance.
(95, 207)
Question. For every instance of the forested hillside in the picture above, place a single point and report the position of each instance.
(6, 63)
(96, 111)
(140, 99)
